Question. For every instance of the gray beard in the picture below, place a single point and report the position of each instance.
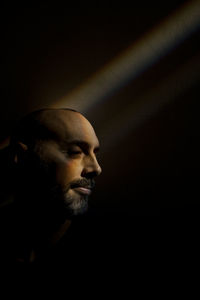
(54, 202)
(75, 205)
(69, 205)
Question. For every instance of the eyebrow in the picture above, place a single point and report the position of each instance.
(81, 144)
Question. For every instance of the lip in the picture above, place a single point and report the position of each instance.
(83, 190)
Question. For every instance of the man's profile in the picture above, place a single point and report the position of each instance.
(53, 154)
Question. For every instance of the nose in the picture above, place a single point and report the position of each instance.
(91, 167)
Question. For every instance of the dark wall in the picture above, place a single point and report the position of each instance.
(47, 50)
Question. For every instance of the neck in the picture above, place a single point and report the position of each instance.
(59, 232)
(38, 235)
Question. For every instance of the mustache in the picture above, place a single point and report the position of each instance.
(84, 182)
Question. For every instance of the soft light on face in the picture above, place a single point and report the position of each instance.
(72, 161)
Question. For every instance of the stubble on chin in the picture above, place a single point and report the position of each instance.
(67, 202)
(76, 204)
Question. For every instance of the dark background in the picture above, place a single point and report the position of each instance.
(49, 49)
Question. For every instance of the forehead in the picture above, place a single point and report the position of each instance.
(68, 126)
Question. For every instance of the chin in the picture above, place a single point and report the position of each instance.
(79, 207)
(76, 204)
(79, 211)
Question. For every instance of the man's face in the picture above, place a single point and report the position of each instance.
(70, 159)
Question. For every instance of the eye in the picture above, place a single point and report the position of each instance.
(75, 151)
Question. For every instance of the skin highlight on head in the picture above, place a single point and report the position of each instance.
(56, 159)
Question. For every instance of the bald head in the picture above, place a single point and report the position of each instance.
(64, 125)
(40, 124)
(65, 142)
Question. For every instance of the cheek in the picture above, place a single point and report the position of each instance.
(68, 171)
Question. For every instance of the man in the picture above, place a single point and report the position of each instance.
(53, 154)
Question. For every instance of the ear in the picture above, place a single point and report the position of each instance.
(21, 148)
